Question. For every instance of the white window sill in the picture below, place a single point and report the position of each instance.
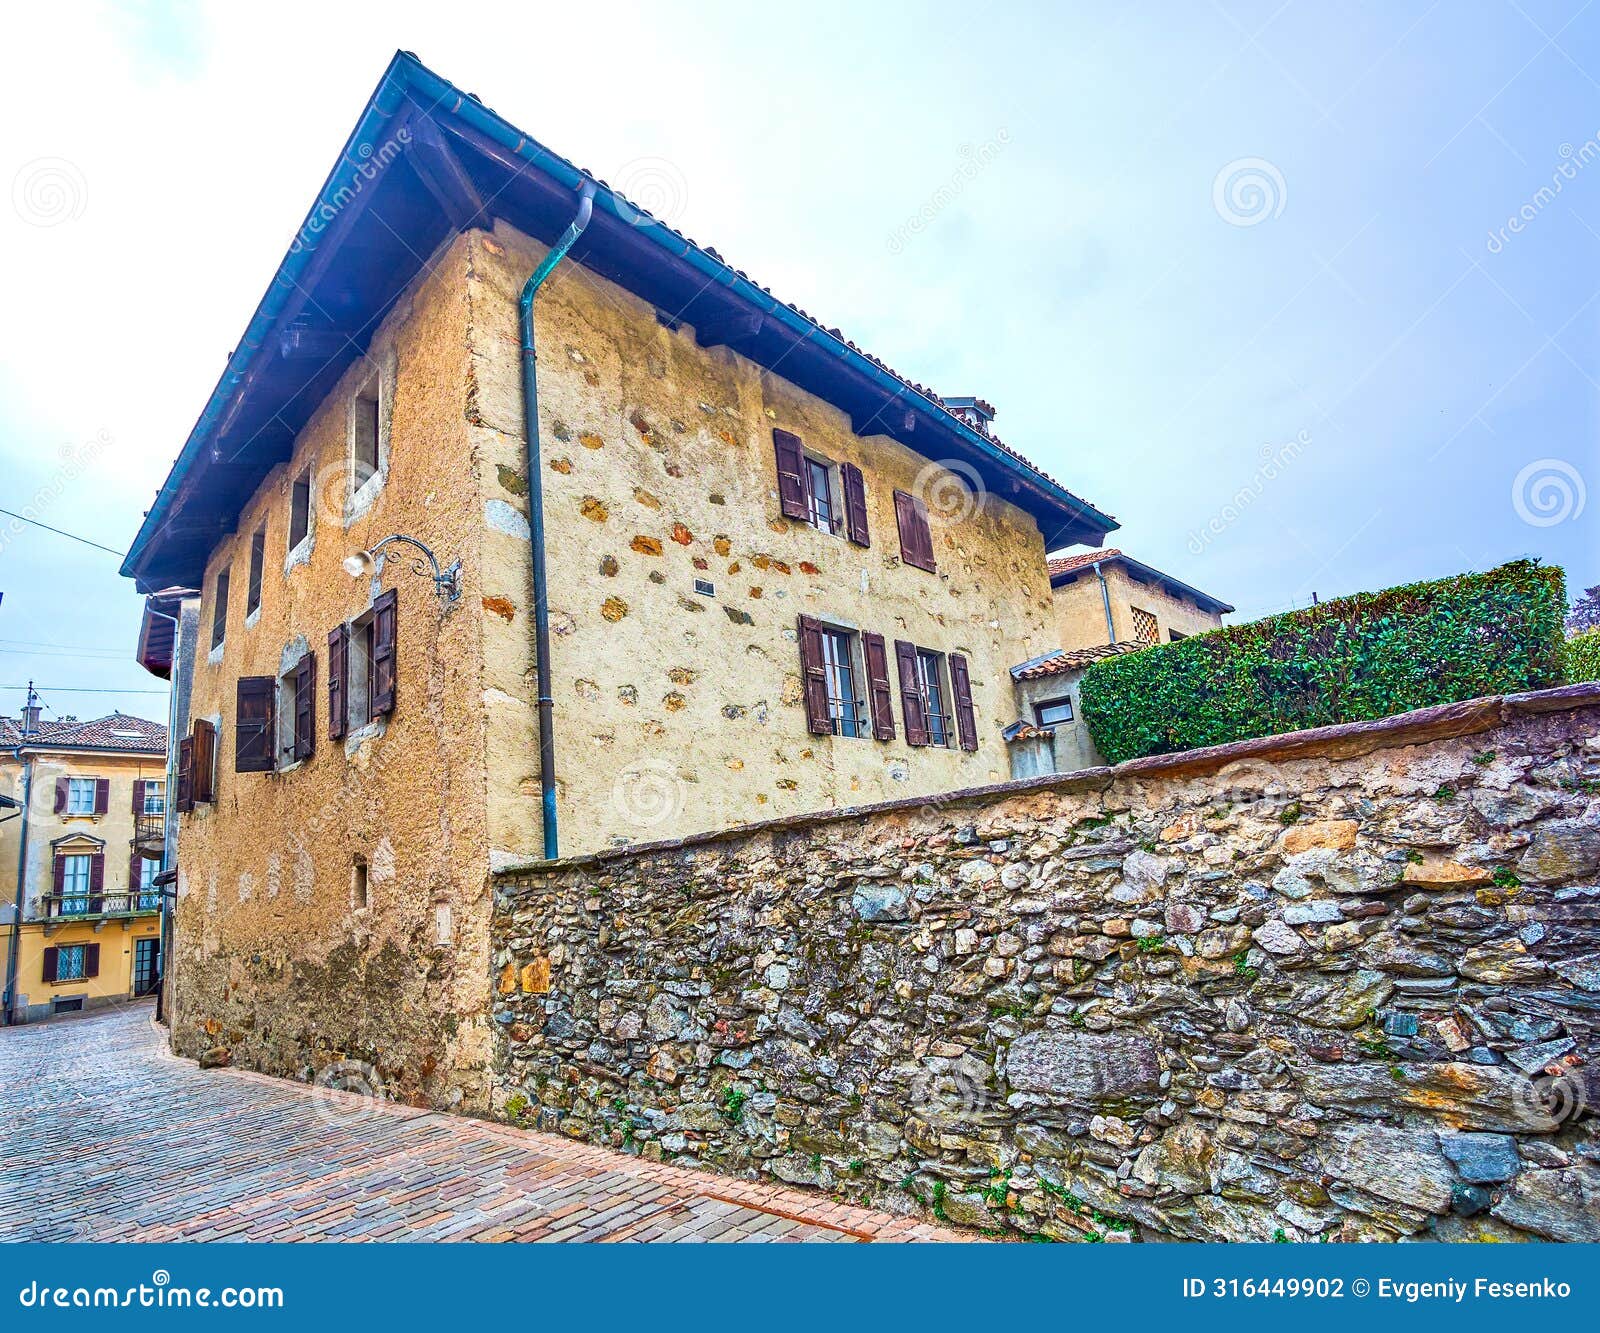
(300, 553)
(214, 657)
(361, 501)
(253, 619)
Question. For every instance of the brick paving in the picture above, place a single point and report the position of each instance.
(110, 1137)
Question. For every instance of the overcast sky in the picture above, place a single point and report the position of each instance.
(1240, 274)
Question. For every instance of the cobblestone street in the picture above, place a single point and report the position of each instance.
(110, 1137)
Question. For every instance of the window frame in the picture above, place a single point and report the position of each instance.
(221, 587)
(371, 391)
(156, 787)
(1041, 705)
(300, 510)
(71, 862)
(850, 717)
(81, 952)
(258, 560)
(934, 677)
(74, 786)
(832, 522)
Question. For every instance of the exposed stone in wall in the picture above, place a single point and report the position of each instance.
(1343, 987)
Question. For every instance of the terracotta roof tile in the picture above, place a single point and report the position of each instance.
(115, 731)
(1063, 660)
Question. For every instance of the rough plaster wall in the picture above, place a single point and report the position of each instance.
(676, 712)
(1346, 994)
(276, 968)
(1081, 617)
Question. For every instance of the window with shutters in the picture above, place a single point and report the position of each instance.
(300, 510)
(185, 775)
(153, 797)
(80, 796)
(936, 697)
(202, 761)
(253, 725)
(219, 609)
(71, 963)
(358, 672)
(847, 705)
(258, 554)
(829, 496)
(149, 893)
(1145, 628)
(916, 537)
(295, 711)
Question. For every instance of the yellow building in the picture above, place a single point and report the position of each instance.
(750, 573)
(84, 842)
(1106, 597)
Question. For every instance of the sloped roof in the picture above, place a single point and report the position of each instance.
(1061, 567)
(1063, 660)
(426, 161)
(115, 731)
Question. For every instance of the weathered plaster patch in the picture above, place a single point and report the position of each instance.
(506, 519)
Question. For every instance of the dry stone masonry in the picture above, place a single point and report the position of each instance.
(1336, 986)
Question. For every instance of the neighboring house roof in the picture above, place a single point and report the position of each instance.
(115, 731)
(158, 632)
(1061, 567)
(426, 161)
(1063, 660)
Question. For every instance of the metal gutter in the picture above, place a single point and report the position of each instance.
(1105, 597)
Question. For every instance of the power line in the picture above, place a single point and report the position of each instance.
(81, 689)
(60, 532)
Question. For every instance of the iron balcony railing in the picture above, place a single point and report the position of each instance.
(81, 905)
(149, 831)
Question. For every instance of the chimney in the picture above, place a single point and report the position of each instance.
(974, 411)
(30, 713)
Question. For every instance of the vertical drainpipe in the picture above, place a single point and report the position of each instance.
(541, 598)
(1105, 598)
(15, 942)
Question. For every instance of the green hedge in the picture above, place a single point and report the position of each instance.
(1366, 656)
(1583, 656)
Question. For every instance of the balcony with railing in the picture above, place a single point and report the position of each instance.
(71, 906)
(149, 834)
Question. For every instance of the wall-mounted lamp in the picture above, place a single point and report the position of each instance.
(446, 582)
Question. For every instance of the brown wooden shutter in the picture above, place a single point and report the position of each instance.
(203, 758)
(338, 666)
(791, 473)
(252, 728)
(60, 873)
(97, 881)
(878, 686)
(50, 956)
(811, 674)
(102, 795)
(916, 538)
(305, 707)
(91, 961)
(62, 785)
(961, 686)
(138, 796)
(855, 504)
(185, 775)
(384, 626)
(912, 700)
(134, 862)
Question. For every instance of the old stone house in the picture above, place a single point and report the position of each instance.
(778, 577)
(1106, 597)
(80, 927)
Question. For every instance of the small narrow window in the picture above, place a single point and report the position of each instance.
(930, 673)
(822, 510)
(364, 426)
(1051, 712)
(1174, 637)
(258, 550)
(358, 883)
(1145, 628)
(219, 610)
(300, 509)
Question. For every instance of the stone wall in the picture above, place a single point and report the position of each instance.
(1338, 985)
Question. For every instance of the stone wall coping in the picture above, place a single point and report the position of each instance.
(1343, 740)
